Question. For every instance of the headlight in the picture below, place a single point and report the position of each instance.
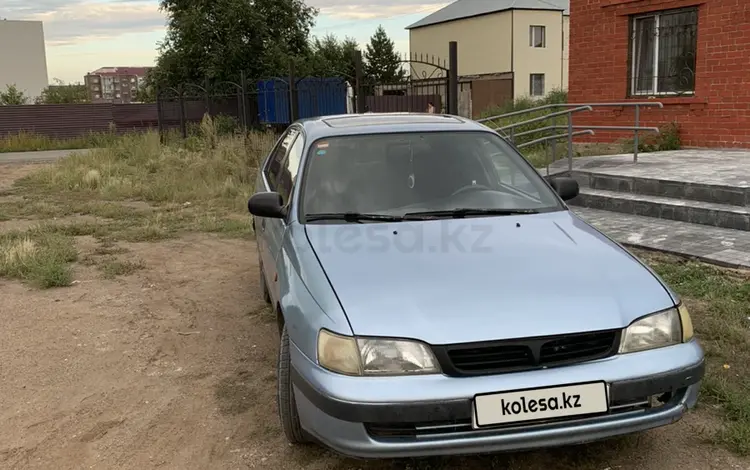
(654, 331)
(374, 356)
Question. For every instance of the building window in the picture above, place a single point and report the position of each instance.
(662, 52)
(538, 36)
(536, 84)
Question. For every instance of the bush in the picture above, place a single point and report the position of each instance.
(668, 138)
(225, 124)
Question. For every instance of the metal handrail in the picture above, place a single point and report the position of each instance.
(598, 128)
(544, 118)
(574, 108)
(554, 137)
(572, 105)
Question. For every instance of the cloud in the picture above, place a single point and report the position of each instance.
(375, 9)
(73, 22)
(68, 22)
(20, 9)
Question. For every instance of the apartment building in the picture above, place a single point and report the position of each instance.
(115, 84)
(23, 57)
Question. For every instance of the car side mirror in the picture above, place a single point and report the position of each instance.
(567, 188)
(267, 204)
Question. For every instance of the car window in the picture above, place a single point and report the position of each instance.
(508, 173)
(401, 173)
(278, 156)
(290, 167)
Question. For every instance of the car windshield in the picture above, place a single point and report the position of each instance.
(408, 174)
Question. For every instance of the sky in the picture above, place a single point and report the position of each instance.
(83, 35)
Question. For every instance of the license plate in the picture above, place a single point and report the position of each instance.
(540, 403)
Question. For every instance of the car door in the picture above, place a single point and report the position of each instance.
(270, 174)
(282, 176)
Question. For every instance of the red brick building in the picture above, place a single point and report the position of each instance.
(691, 55)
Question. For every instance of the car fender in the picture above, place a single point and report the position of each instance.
(307, 300)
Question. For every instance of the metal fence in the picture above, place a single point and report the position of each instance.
(68, 121)
(421, 84)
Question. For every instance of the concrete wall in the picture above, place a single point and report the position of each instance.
(23, 58)
(529, 60)
(483, 43)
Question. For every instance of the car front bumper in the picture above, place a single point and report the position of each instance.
(391, 417)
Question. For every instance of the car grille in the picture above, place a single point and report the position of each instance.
(498, 357)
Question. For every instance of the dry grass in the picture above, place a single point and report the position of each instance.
(28, 141)
(112, 267)
(41, 256)
(719, 301)
(155, 188)
(135, 189)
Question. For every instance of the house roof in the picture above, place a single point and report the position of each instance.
(468, 8)
(140, 71)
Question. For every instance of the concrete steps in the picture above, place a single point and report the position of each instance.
(703, 192)
(703, 204)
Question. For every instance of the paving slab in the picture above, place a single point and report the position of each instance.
(715, 245)
(698, 166)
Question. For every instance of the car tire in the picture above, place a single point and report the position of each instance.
(263, 284)
(287, 405)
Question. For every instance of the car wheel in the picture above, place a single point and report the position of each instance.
(263, 284)
(285, 397)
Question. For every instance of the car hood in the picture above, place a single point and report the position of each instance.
(480, 279)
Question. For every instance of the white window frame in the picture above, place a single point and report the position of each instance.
(532, 29)
(531, 84)
(633, 61)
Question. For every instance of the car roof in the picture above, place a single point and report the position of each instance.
(385, 123)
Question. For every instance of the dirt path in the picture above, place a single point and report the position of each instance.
(173, 367)
(35, 156)
(11, 172)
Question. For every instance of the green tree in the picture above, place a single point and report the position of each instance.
(383, 64)
(12, 96)
(331, 57)
(146, 93)
(220, 38)
(63, 93)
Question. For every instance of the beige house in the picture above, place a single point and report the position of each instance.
(23, 57)
(506, 48)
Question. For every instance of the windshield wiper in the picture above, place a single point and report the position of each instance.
(464, 212)
(353, 217)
